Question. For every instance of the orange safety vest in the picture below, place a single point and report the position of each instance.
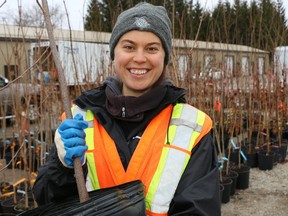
(154, 160)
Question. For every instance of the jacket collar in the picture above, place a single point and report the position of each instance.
(97, 99)
(131, 108)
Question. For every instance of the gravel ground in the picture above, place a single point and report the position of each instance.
(267, 194)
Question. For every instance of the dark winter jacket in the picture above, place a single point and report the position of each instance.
(198, 189)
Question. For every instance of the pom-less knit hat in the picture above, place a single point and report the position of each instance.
(144, 17)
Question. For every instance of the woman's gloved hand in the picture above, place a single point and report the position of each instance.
(70, 140)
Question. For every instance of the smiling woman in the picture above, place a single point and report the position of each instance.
(137, 126)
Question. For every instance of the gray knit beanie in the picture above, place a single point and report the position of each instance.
(144, 17)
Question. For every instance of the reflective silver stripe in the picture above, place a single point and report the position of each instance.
(89, 183)
(175, 159)
(184, 122)
(183, 133)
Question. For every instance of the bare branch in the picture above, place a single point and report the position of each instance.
(23, 73)
(81, 186)
(40, 6)
(3, 3)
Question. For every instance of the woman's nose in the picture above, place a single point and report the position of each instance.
(139, 56)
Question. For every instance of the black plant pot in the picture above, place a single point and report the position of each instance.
(252, 159)
(265, 161)
(227, 183)
(243, 176)
(7, 206)
(20, 207)
(121, 200)
(221, 191)
(233, 176)
(275, 150)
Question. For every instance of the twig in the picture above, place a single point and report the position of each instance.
(22, 74)
(71, 44)
(3, 3)
(15, 155)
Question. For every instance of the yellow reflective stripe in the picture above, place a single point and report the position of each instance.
(182, 133)
(90, 131)
(177, 110)
(156, 178)
(201, 117)
(92, 171)
(89, 115)
(89, 138)
(90, 155)
(154, 185)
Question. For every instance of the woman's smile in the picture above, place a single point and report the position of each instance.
(138, 71)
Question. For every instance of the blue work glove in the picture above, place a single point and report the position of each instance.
(70, 140)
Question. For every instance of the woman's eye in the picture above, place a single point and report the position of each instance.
(153, 49)
(128, 47)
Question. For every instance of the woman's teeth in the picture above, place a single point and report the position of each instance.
(138, 72)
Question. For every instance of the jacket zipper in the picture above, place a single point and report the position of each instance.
(123, 109)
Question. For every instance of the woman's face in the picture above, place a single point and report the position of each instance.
(139, 61)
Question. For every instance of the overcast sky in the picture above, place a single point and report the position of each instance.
(77, 9)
